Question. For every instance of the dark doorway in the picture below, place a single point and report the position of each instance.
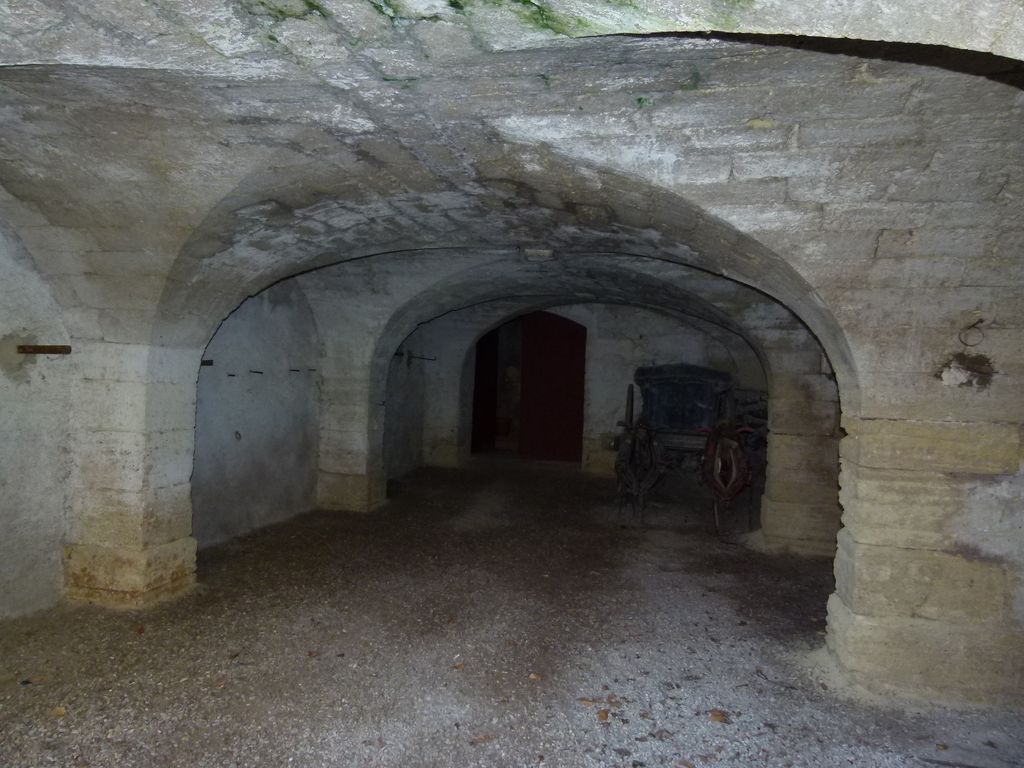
(551, 397)
(529, 388)
(485, 394)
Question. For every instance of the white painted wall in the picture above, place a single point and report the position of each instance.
(257, 433)
(35, 458)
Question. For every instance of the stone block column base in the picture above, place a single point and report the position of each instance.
(351, 493)
(129, 578)
(928, 659)
(798, 528)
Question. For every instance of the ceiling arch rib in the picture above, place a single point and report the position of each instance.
(490, 216)
(724, 308)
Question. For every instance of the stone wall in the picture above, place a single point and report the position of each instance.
(621, 339)
(36, 462)
(405, 401)
(930, 558)
(206, 35)
(257, 417)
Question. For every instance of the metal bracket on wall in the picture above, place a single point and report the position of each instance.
(44, 349)
(409, 357)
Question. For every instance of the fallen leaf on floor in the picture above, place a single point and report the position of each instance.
(622, 752)
(662, 735)
(313, 654)
(140, 630)
(645, 715)
(378, 742)
(482, 738)
(685, 764)
(219, 684)
(614, 701)
(719, 716)
(587, 702)
(461, 665)
(942, 747)
(602, 715)
(58, 712)
(535, 676)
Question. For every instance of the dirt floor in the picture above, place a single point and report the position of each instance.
(500, 616)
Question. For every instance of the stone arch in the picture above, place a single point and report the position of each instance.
(452, 450)
(801, 496)
(540, 199)
(257, 417)
(994, 25)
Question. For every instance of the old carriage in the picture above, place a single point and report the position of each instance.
(693, 418)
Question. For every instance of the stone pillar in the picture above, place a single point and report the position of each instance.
(131, 517)
(800, 507)
(448, 411)
(929, 596)
(350, 478)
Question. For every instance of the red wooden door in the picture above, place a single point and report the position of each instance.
(551, 398)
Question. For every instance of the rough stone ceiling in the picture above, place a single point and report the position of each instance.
(258, 37)
(250, 182)
(227, 146)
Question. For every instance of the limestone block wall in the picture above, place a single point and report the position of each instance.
(891, 192)
(800, 509)
(257, 417)
(931, 558)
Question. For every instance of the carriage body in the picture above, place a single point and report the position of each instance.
(685, 409)
(682, 403)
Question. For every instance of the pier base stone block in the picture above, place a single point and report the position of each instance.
(129, 578)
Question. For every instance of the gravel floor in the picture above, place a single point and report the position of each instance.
(493, 617)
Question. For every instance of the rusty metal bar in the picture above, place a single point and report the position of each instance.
(44, 349)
